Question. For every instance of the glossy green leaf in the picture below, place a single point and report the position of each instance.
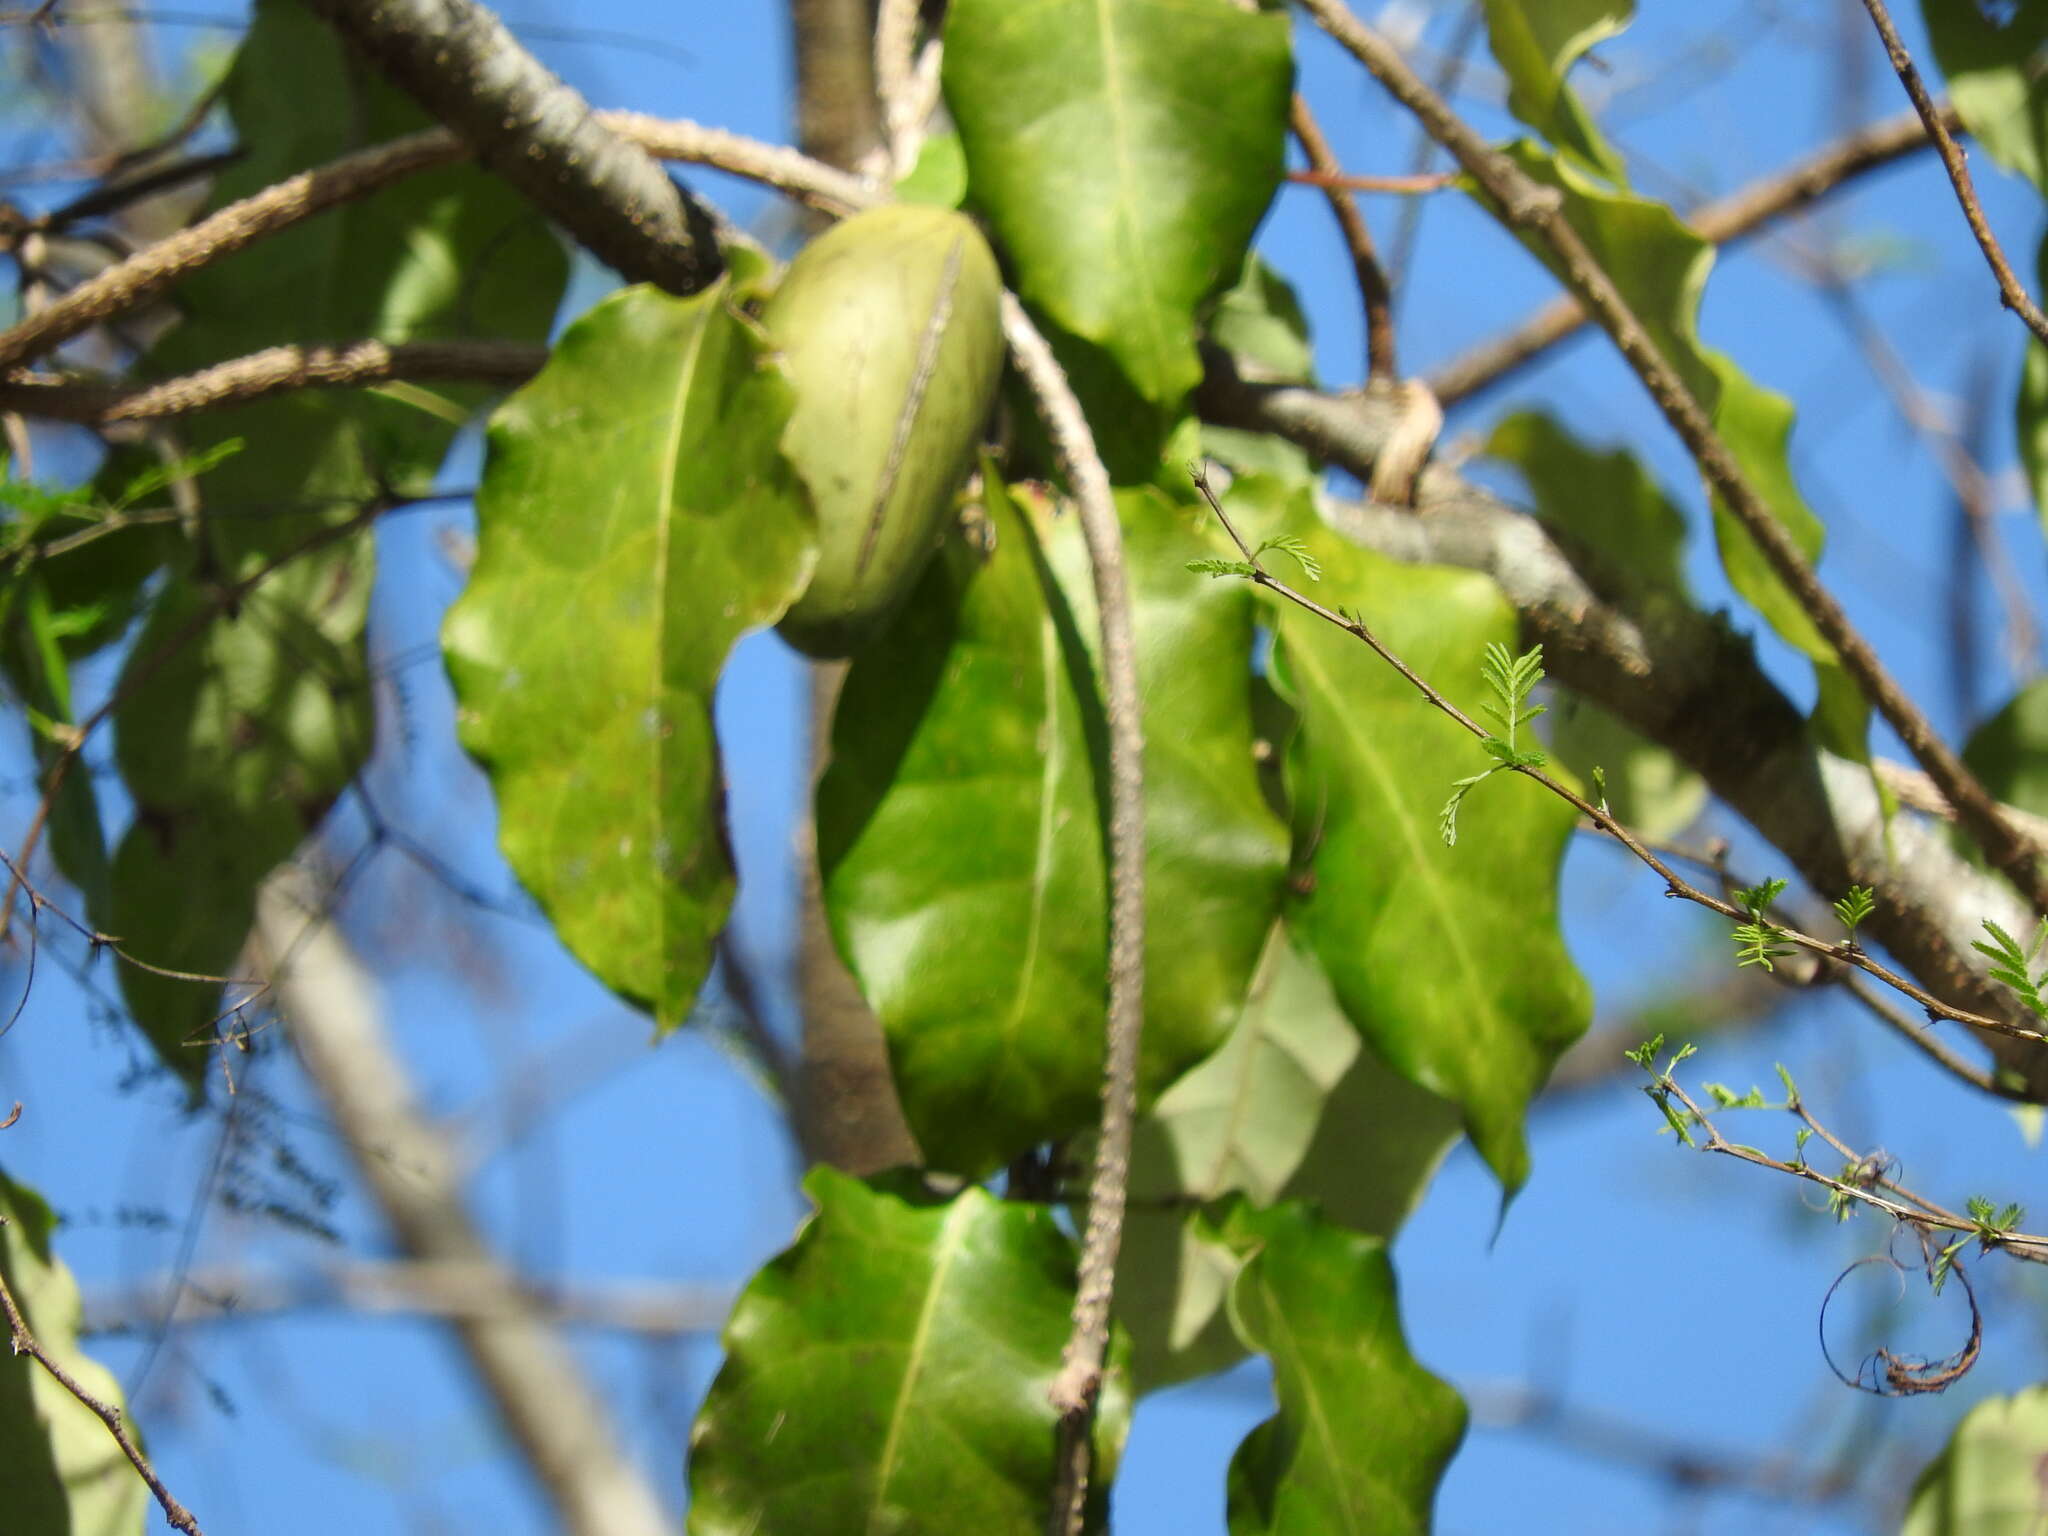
(1449, 960)
(1987, 1479)
(636, 518)
(1991, 55)
(2032, 413)
(960, 827)
(889, 1372)
(65, 1476)
(1536, 42)
(1661, 267)
(1363, 1431)
(1289, 1106)
(243, 720)
(1124, 150)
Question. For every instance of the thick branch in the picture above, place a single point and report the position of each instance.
(1729, 218)
(1529, 206)
(1684, 679)
(459, 62)
(560, 1424)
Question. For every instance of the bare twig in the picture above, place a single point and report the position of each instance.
(1529, 206)
(2010, 290)
(405, 1288)
(23, 1342)
(274, 370)
(1373, 292)
(1079, 1384)
(1726, 219)
(459, 62)
(896, 81)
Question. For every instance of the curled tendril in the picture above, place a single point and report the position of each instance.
(1886, 1374)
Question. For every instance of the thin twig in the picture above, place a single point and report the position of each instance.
(1373, 293)
(1527, 205)
(24, 1342)
(1363, 181)
(1726, 219)
(1079, 1384)
(2010, 290)
(1675, 884)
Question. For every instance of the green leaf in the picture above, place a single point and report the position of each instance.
(2009, 751)
(1124, 150)
(1536, 42)
(2032, 404)
(940, 175)
(1649, 790)
(1661, 267)
(1259, 322)
(1259, 1117)
(1987, 1480)
(244, 720)
(65, 1474)
(960, 826)
(1448, 960)
(889, 1372)
(1991, 54)
(1363, 1432)
(636, 518)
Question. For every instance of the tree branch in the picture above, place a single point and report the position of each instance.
(1726, 219)
(272, 371)
(1079, 1383)
(148, 272)
(459, 62)
(1526, 205)
(550, 1411)
(2010, 290)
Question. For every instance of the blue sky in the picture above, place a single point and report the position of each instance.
(1673, 1293)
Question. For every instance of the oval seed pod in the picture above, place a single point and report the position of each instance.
(890, 328)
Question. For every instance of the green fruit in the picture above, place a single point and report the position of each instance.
(890, 328)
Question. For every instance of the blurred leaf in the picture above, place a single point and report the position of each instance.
(2009, 751)
(1289, 1105)
(1987, 1480)
(1661, 266)
(1124, 150)
(889, 1372)
(1364, 1432)
(940, 175)
(243, 720)
(2032, 412)
(960, 827)
(1259, 322)
(1649, 790)
(1536, 42)
(1449, 960)
(1993, 55)
(636, 518)
(65, 1476)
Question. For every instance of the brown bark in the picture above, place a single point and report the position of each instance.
(846, 1111)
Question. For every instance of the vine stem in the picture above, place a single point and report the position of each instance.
(23, 1342)
(1525, 204)
(1078, 1386)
